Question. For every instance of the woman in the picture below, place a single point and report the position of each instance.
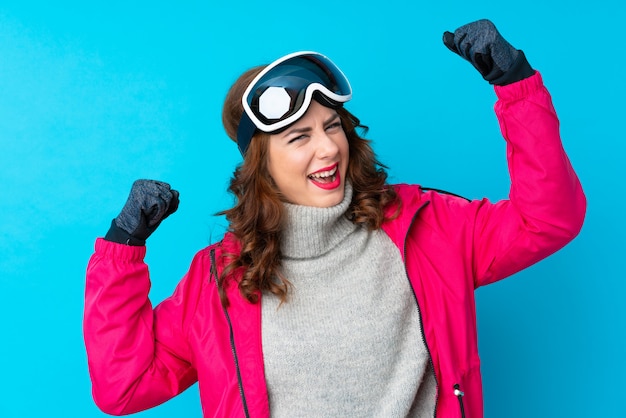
(333, 293)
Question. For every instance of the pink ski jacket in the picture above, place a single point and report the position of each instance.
(140, 356)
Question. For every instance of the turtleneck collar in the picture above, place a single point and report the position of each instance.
(312, 231)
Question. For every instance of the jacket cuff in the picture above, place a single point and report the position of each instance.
(520, 89)
(122, 252)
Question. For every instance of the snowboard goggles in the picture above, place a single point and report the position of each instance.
(281, 93)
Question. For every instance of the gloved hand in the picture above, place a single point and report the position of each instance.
(149, 202)
(495, 59)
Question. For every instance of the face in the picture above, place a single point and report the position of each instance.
(309, 160)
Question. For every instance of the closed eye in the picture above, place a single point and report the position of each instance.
(334, 126)
(297, 138)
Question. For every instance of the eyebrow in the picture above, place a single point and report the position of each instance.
(308, 128)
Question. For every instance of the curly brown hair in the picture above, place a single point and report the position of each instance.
(257, 217)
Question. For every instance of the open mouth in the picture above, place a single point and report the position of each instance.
(325, 176)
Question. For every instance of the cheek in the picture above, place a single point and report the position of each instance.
(283, 166)
(275, 161)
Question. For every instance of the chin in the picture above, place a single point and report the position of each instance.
(329, 201)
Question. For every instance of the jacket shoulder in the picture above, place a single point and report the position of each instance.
(412, 195)
(227, 245)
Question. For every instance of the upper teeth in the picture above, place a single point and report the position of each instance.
(328, 173)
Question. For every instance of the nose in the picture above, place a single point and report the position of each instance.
(326, 146)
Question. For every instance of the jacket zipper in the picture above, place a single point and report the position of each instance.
(459, 394)
(419, 310)
(232, 340)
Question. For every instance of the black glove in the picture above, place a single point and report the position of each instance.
(495, 59)
(148, 204)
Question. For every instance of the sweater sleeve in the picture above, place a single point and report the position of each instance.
(138, 357)
(546, 205)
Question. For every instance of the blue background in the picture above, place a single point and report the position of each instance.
(96, 94)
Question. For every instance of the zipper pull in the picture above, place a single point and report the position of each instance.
(459, 394)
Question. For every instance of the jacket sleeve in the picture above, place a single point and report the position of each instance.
(546, 205)
(138, 357)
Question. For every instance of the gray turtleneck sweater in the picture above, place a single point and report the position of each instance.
(347, 343)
